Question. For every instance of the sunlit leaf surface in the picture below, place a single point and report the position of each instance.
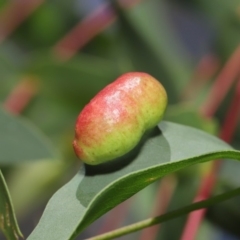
(96, 190)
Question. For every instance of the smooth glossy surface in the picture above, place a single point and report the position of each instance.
(116, 118)
(87, 197)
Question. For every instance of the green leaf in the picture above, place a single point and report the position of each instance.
(8, 223)
(96, 190)
(20, 141)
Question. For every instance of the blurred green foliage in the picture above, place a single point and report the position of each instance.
(143, 38)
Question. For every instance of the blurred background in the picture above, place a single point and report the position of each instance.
(56, 55)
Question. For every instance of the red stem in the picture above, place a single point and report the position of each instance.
(205, 70)
(165, 192)
(14, 13)
(83, 32)
(195, 218)
(116, 217)
(231, 119)
(87, 29)
(222, 85)
(230, 123)
(21, 95)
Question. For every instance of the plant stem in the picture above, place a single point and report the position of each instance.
(207, 183)
(165, 192)
(87, 29)
(165, 217)
(14, 13)
(222, 84)
(203, 73)
(21, 95)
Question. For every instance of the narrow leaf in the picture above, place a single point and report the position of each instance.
(167, 216)
(8, 223)
(21, 141)
(97, 189)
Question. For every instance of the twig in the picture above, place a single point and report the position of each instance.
(208, 181)
(165, 192)
(83, 32)
(222, 85)
(205, 70)
(14, 13)
(195, 218)
(112, 221)
(231, 119)
(87, 29)
(21, 95)
(168, 216)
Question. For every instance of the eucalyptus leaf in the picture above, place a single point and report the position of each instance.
(8, 222)
(97, 189)
(21, 141)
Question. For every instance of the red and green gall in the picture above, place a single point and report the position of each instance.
(114, 121)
